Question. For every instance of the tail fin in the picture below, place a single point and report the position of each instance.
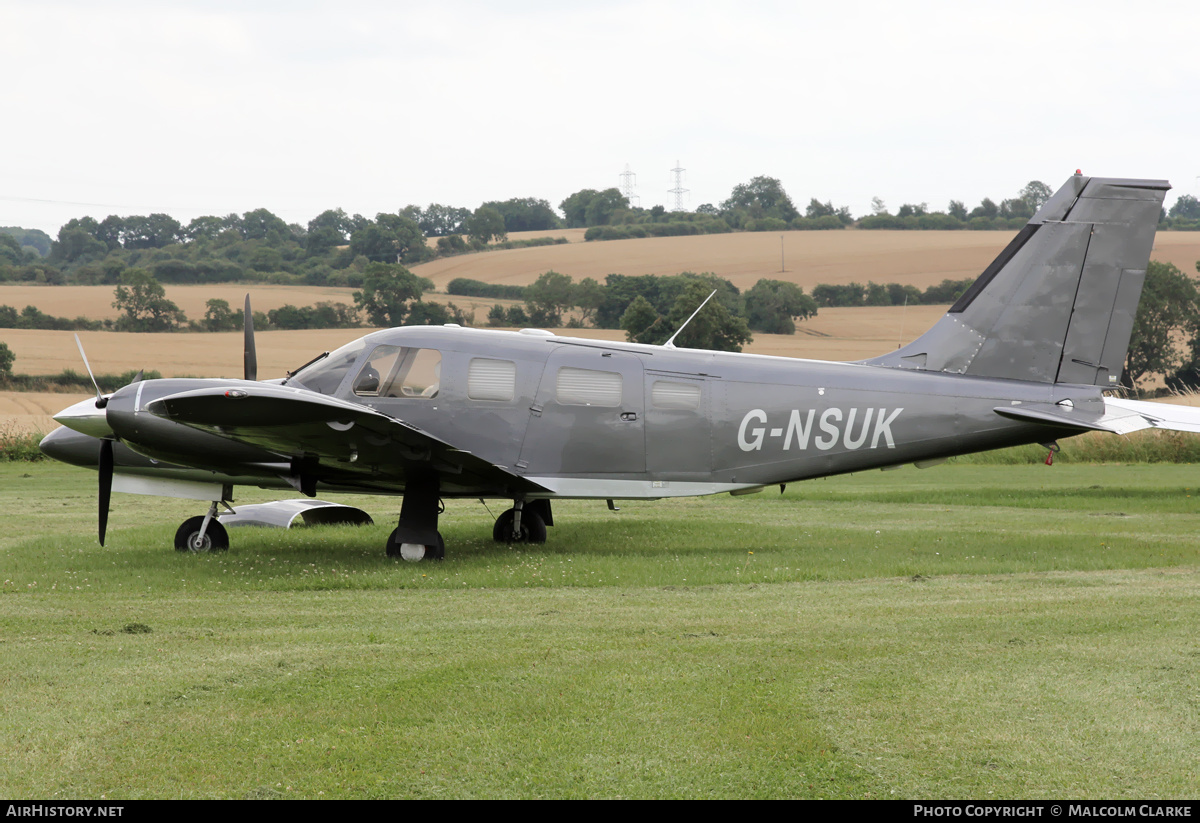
(1058, 304)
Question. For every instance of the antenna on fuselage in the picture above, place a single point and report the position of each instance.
(670, 344)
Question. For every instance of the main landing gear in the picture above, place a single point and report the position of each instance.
(525, 522)
(416, 536)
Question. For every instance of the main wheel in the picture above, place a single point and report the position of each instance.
(187, 538)
(414, 552)
(533, 528)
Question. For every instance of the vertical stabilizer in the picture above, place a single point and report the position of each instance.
(1058, 304)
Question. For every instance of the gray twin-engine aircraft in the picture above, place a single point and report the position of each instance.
(439, 412)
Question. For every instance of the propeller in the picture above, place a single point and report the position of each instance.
(250, 356)
(101, 400)
(106, 481)
(105, 464)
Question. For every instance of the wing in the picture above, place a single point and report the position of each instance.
(335, 441)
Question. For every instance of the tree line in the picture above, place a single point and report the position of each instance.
(334, 247)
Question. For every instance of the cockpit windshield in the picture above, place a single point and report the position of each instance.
(325, 374)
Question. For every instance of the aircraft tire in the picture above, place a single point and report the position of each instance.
(407, 551)
(533, 528)
(216, 538)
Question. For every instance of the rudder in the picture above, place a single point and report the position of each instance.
(1058, 304)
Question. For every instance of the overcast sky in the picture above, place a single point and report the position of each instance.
(206, 107)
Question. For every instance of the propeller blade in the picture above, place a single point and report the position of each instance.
(86, 365)
(137, 378)
(250, 356)
(106, 480)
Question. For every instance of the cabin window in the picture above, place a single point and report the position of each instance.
(667, 395)
(398, 371)
(491, 379)
(586, 387)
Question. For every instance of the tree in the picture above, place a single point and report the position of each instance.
(525, 214)
(486, 224)
(1186, 208)
(327, 231)
(145, 304)
(589, 296)
(912, 210)
(715, 327)
(604, 205)
(957, 210)
(638, 319)
(986, 208)
(10, 249)
(575, 208)
(817, 209)
(1035, 193)
(548, 297)
(878, 207)
(437, 220)
(451, 244)
(7, 358)
(219, 317)
(389, 238)
(152, 232)
(761, 197)
(1017, 207)
(387, 292)
(1168, 309)
(772, 304)
(75, 241)
(517, 316)
(261, 224)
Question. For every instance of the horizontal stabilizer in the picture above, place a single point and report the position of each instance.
(1157, 415)
(1113, 420)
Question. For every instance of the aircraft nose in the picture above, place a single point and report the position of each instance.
(72, 447)
(85, 418)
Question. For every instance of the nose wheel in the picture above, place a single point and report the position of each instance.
(192, 536)
(204, 534)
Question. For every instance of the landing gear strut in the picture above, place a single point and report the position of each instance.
(416, 536)
(525, 522)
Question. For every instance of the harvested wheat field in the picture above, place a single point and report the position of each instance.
(918, 258)
(96, 302)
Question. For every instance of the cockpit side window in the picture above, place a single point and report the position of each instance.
(326, 374)
(398, 371)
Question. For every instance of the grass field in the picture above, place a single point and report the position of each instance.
(968, 631)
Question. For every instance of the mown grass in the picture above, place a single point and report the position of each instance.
(966, 631)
